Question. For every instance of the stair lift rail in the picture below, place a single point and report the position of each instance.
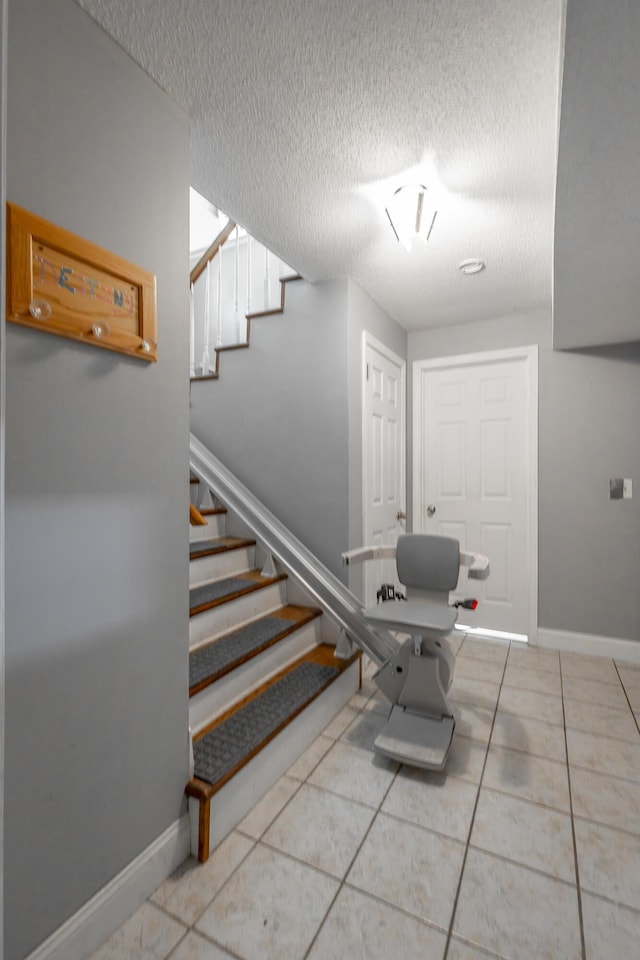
(339, 602)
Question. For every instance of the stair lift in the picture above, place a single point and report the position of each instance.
(417, 676)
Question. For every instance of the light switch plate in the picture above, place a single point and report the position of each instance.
(627, 488)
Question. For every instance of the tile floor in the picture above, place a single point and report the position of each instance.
(527, 848)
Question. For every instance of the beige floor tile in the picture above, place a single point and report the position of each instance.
(148, 935)
(528, 777)
(516, 912)
(588, 668)
(473, 721)
(592, 691)
(542, 681)
(532, 835)
(409, 867)
(633, 693)
(493, 650)
(529, 703)
(355, 773)
(529, 736)
(271, 908)
(358, 701)
(195, 947)
(365, 728)
(267, 809)
(604, 721)
(455, 642)
(475, 669)
(610, 931)
(435, 800)
(477, 692)
(340, 723)
(359, 926)
(617, 757)
(630, 674)
(321, 828)
(606, 799)
(534, 658)
(464, 951)
(608, 862)
(310, 759)
(187, 892)
(466, 758)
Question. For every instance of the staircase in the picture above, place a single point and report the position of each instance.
(263, 680)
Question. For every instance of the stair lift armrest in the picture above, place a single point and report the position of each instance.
(477, 563)
(362, 554)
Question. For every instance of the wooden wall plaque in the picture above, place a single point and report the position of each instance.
(62, 284)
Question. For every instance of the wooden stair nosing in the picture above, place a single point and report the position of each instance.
(310, 614)
(201, 789)
(252, 585)
(212, 511)
(230, 544)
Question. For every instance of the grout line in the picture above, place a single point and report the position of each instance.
(633, 713)
(353, 859)
(573, 829)
(473, 817)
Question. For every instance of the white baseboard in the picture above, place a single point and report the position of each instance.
(590, 644)
(83, 933)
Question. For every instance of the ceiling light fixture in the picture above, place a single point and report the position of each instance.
(411, 214)
(471, 266)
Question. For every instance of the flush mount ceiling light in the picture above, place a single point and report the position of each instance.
(471, 266)
(411, 214)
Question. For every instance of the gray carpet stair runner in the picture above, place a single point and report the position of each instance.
(205, 548)
(217, 658)
(209, 592)
(222, 750)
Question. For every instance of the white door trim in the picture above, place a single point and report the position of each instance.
(368, 340)
(530, 356)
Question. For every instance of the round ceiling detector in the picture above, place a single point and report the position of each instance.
(471, 266)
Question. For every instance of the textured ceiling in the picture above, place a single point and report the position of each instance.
(306, 114)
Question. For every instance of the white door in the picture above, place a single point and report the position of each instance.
(475, 475)
(384, 457)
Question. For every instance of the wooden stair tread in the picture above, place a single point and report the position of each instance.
(251, 580)
(220, 656)
(227, 724)
(216, 545)
(212, 511)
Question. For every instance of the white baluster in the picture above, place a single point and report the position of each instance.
(236, 290)
(219, 335)
(248, 274)
(207, 309)
(266, 279)
(192, 334)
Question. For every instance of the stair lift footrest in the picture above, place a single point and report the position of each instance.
(416, 739)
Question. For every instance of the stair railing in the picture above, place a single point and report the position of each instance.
(339, 602)
(222, 298)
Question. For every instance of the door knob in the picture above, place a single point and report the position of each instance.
(401, 515)
(431, 509)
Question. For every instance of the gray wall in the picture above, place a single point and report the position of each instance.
(589, 406)
(278, 416)
(596, 281)
(363, 314)
(96, 486)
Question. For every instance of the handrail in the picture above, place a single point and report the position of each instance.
(328, 590)
(211, 251)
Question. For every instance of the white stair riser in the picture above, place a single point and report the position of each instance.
(220, 565)
(205, 706)
(194, 492)
(214, 527)
(236, 798)
(228, 616)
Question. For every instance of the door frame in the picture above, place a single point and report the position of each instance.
(368, 340)
(528, 354)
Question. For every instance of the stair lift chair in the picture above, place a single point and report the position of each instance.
(416, 678)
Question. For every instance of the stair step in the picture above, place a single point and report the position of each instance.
(213, 660)
(213, 594)
(231, 742)
(216, 545)
(213, 511)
